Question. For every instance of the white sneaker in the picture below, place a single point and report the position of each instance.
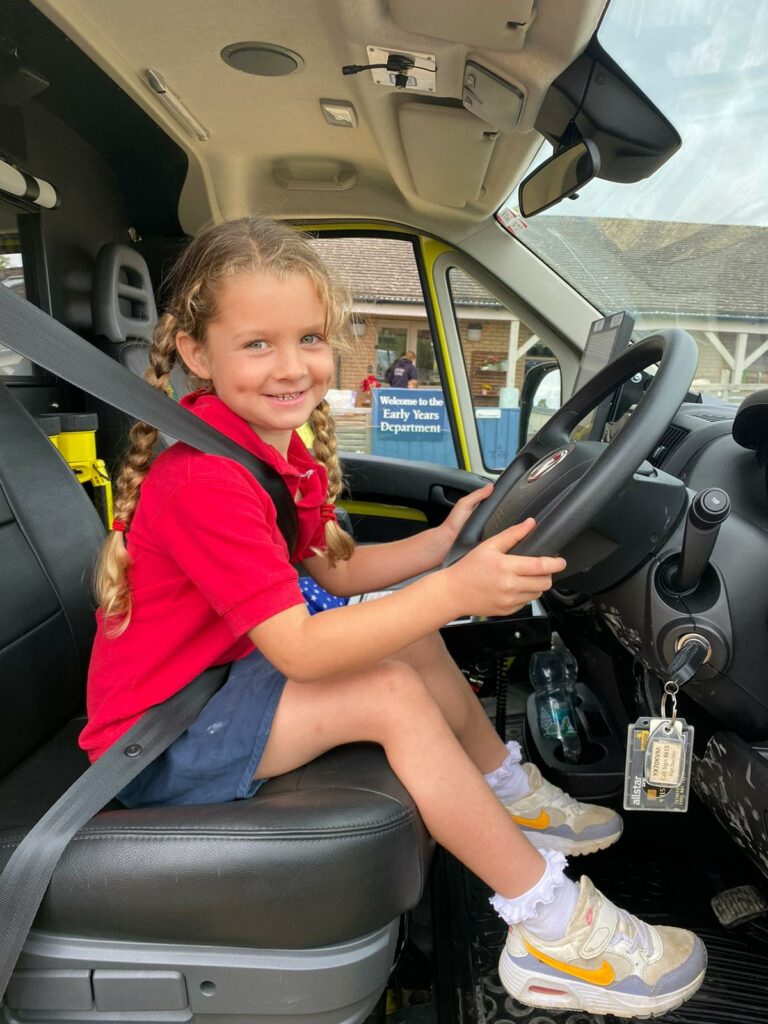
(607, 962)
(552, 820)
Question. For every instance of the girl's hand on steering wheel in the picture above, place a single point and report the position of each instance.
(454, 522)
(489, 581)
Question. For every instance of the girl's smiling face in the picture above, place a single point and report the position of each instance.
(266, 353)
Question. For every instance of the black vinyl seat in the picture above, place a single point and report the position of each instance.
(283, 907)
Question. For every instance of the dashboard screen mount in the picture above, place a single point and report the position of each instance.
(607, 338)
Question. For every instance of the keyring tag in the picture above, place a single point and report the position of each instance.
(665, 753)
(658, 771)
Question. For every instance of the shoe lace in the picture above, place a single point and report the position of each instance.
(633, 931)
(562, 800)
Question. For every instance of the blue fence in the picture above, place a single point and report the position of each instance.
(498, 430)
(413, 424)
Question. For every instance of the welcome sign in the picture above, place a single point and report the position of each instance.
(409, 413)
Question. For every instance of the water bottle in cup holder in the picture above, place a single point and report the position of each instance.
(570, 666)
(554, 706)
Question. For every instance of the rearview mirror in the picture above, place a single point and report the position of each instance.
(560, 176)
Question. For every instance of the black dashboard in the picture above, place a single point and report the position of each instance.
(729, 606)
(707, 453)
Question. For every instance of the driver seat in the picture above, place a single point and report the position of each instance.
(283, 907)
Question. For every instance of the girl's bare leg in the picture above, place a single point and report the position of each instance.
(389, 704)
(455, 698)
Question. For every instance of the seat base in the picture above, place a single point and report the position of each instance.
(84, 981)
(332, 850)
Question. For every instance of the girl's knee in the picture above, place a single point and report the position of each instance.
(399, 684)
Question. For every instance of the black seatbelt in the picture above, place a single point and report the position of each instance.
(25, 329)
(31, 333)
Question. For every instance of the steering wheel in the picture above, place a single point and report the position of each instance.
(564, 484)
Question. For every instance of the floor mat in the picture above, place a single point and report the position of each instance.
(734, 989)
(666, 868)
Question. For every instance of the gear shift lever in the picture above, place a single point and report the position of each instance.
(707, 512)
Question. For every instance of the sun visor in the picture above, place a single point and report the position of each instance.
(20, 185)
(490, 25)
(448, 152)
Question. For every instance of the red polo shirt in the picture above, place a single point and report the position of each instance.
(208, 563)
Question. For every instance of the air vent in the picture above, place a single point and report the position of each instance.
(670, 439)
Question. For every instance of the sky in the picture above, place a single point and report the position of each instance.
(704, 63)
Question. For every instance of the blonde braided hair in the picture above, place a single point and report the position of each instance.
(218, 252)
(338, 542)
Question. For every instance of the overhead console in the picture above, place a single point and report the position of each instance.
(592, 102)
(461, 141)
(492, 25)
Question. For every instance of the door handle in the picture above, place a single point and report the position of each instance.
(448, 497)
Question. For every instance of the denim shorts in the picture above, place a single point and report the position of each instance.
(215, 759)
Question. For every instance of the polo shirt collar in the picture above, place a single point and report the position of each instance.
(211, 409)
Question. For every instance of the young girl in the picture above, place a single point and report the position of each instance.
(205, 578)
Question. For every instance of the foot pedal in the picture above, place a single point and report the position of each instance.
(738, 905)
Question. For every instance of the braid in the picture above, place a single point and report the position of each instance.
(339, 543)
(110, 578)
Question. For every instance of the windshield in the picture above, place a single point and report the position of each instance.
(687, 247)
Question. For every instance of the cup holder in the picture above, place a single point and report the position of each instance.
(598, 776)
(591, 753)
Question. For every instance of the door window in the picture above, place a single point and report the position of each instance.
(390, 324)
(499, 349)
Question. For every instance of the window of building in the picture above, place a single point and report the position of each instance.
(391, 344)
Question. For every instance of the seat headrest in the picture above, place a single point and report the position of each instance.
(123, 301)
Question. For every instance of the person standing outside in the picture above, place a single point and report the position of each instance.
(402, 373)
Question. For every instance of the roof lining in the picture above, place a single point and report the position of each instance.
(229, 175)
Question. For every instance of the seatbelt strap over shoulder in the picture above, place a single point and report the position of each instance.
(30, 332)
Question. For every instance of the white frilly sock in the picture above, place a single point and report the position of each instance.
(509, 781)
(548, 906)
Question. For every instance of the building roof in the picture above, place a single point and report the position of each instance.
(650, 267)
(720, 271)
(384, 270)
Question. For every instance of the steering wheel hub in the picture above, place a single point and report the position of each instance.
(547, 463)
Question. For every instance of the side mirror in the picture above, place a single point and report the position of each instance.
(560, 176)
(540, 399)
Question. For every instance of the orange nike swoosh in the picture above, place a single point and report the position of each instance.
(602, 975)
(542, 821)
